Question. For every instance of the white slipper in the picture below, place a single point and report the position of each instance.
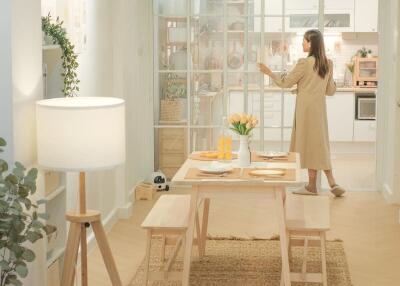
(304, 191)
(337, 191)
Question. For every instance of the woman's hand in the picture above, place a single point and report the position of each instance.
(264, 69)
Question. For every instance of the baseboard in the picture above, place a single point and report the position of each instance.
(388, 194)
(125, 212)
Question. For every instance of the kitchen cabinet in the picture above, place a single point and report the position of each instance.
(364, 130)
(366, 15)
(338, 5)
(271, 7)
(340, 110)
(302, 5)
(274, 134)
(271, 24)
(290, 106)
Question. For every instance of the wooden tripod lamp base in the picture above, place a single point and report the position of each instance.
(77, 236)
(79, 221)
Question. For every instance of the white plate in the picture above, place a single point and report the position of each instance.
(267, 172)
(214, 169)
(273, 154)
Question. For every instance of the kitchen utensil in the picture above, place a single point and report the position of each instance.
(235, 58)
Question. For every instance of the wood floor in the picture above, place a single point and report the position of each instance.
(368, 226)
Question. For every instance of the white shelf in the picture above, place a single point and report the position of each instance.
(55, 193)
(50, 47)
(55, 255)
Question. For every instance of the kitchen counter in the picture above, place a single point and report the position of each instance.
(293, 90)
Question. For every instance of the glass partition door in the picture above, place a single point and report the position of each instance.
(205, 59)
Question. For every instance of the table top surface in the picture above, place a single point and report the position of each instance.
(179, 178)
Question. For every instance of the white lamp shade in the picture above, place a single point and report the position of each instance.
(80, 133)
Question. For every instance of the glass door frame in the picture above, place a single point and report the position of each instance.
(190, 71)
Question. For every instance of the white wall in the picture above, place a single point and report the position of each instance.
(118, 62)
(133, 70)
(388, 141)
(20, 87)
(6, 120)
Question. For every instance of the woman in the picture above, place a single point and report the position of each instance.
(314, 78)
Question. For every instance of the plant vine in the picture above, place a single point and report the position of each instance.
(69, 59)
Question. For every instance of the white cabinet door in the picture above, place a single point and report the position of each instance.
(364, 131)
(366, 15)
(271, 7)
(289, 108)
(340, 108)
(338, 5)
(271, 24)
(302, 4)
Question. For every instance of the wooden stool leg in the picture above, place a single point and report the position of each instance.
(147, 260)
(106, 253)
(71, 254)
(323, 259)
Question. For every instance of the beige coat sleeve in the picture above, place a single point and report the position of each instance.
(290, 79)
(331, 86)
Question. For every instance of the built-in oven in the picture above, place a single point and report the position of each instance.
(365, 106)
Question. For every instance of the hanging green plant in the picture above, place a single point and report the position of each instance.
(69, 59)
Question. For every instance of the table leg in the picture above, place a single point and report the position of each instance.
(204, 226)
(189, 237)
(279, 199)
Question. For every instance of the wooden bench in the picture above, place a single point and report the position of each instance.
(169, 218)
(307, 220)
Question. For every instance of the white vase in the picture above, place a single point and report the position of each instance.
(244, 151)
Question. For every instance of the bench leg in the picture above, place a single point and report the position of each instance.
(147, 261)
(204, 226)
(187, 255)
(304, 265)
(198, 235)
(323, 259)
(163, 241)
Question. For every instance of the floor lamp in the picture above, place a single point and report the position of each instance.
(81, 134)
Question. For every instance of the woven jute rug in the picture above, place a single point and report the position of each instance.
(256, 262)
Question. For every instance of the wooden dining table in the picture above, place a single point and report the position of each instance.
(209, 187)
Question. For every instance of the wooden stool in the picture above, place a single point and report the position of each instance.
(169, 219)
(307, 220)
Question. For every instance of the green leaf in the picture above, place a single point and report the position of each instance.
(37, 224)
(22, 271)
(14, 281)
(28, 255)
(44, 216)
(33, 236)
(12, 179)
(41, 202)
(3, 166)
(4, 265)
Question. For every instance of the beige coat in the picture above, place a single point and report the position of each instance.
(310, 127)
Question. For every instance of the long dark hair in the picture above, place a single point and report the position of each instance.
(317, 50)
